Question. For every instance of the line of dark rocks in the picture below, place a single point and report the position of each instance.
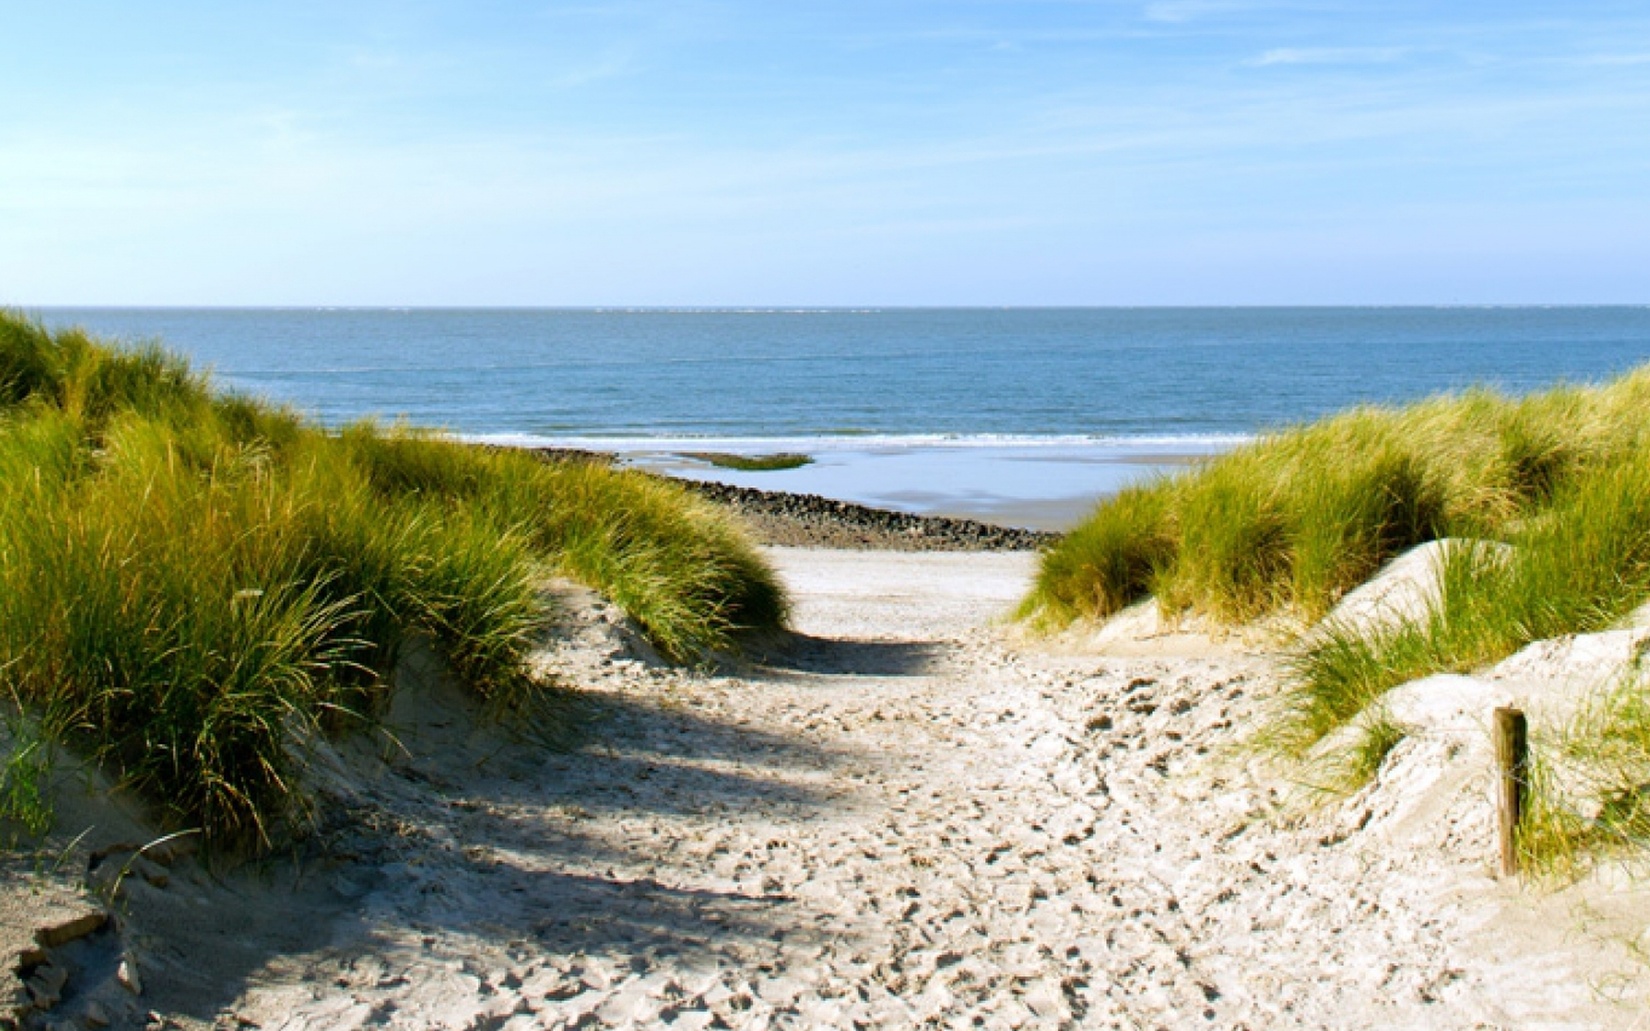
(810, 521)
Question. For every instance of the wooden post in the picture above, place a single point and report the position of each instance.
(1512, 759)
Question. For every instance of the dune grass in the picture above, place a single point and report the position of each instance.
(1589, 785)
(1290, 522)
(188, 579)
(1577, 564)
(674, 563)
(26, 806)
(1114, 558)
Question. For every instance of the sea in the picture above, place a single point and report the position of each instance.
(1018, 416)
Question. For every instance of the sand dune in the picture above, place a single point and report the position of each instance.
(906, 816)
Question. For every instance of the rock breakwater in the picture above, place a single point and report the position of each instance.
(808, 520)
(811, 521)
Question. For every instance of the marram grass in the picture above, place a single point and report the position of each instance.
(1549, 496)
(1293, 520)
(189, 579)
(1577, 564)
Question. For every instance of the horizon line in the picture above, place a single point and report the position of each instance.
(847, 309)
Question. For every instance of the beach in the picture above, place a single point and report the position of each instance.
(743, 516)
(409, 732)
(907, 814)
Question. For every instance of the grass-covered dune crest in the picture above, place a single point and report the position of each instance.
(189, 577)
(1548, 494)
(1295, 519)
(1518, 520)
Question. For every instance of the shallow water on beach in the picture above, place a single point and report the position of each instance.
(1020, 415)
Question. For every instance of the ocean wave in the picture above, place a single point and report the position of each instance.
(1206, 443)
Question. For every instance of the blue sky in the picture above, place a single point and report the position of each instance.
(899, 152)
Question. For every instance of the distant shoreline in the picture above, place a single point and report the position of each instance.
(1045, 487)
(808, 520)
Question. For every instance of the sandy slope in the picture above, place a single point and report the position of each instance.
(902, 819)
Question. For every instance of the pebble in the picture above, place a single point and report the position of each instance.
(46, 984)
(126, 974)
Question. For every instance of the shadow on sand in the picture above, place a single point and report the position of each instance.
(475, 838)
(830, 656)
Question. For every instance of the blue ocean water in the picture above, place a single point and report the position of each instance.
(980, 411)
(1037, 372)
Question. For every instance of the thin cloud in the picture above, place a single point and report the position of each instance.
(1615, 60)
(1177, 12)
(611, 65)
(572, 156)
(1329, 56)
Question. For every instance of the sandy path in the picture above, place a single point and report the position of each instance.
(899, 822)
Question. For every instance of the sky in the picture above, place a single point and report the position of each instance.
(898, 152)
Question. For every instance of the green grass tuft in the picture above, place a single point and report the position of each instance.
(1376, 739)
(1295, 519)
(678, 566)
(1588, 792)
(25, 767)
(1577, 564)
(188, 580)
(1112, 559)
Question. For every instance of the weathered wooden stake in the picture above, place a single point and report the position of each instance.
(1512, 760)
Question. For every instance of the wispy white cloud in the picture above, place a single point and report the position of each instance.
(1614, 60)
(1329, 56)
(1180, 11)
(611, 64)
(577, 157)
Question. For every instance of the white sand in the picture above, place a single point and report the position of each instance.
(906, 819)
